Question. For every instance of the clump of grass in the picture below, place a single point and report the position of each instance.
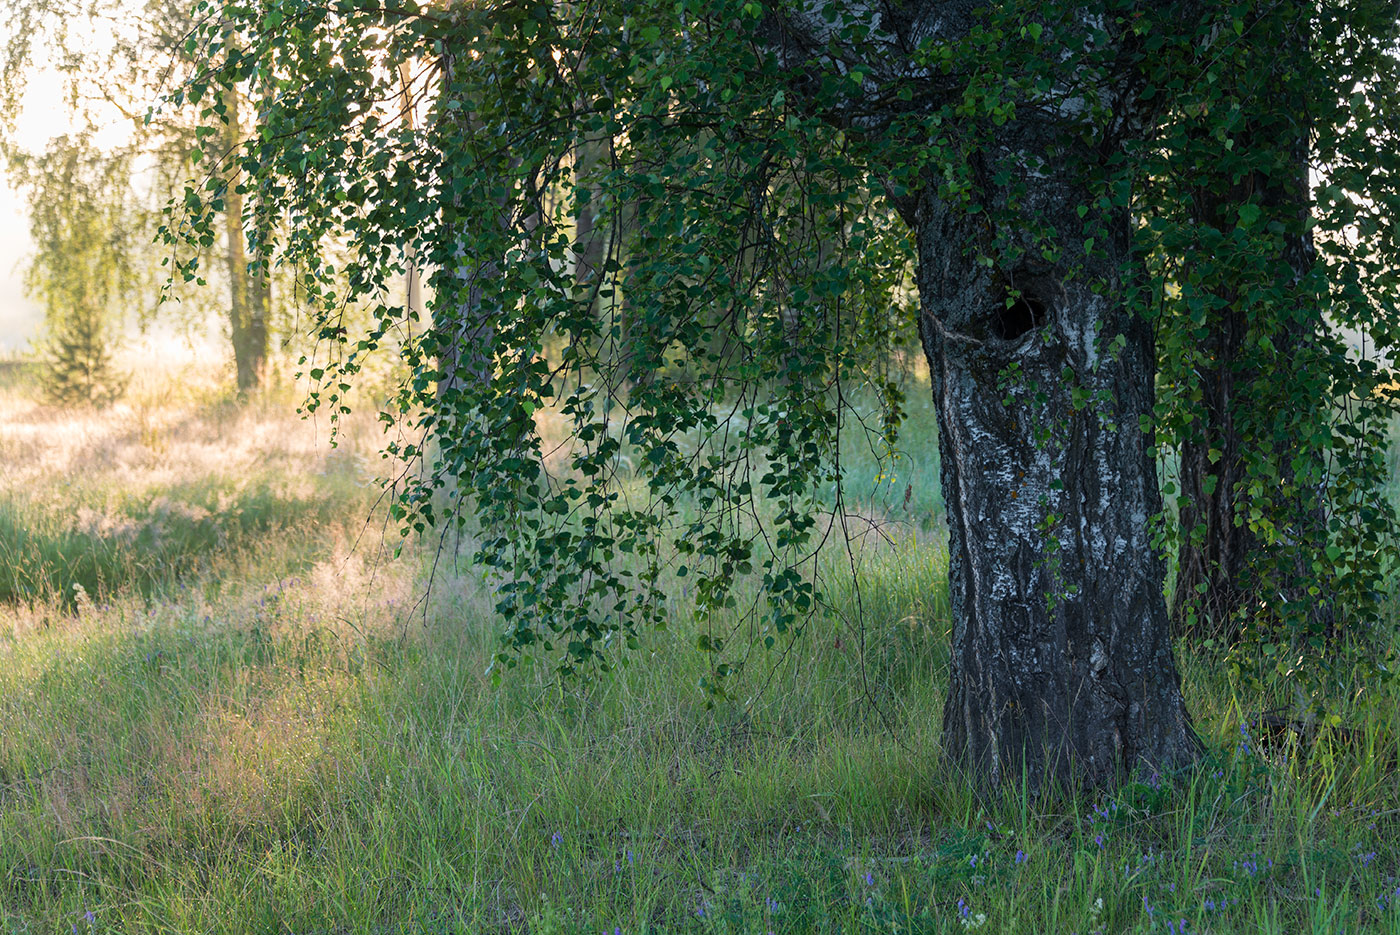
(144, 542)
(160, 489)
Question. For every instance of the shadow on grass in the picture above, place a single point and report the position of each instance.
(193, 764)
(146, 543)
(170, 745)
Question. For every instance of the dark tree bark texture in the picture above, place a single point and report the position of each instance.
(1062, 663)
(1062, 669)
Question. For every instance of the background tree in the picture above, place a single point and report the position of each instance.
(1263, 404)
(87, 234)
(118, 76)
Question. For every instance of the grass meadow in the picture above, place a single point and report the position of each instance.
(226, 706)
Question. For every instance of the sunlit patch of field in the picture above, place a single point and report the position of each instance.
(154, 488)
(172, 425)
(268, 728)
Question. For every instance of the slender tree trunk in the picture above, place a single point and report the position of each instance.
(1062, 663)
(413, 277)
(464, 324)
(247, 309)
(467, 332)
(624, 287)
(596, 236)
(1223, 573)
(1212, 584)
(590, 238)
(260, 314)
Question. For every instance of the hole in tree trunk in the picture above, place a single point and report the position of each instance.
(1022, 315)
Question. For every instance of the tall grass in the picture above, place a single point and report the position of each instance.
(159, 488)
(272, 739)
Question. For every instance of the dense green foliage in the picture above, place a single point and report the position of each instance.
(764, 274)
(1268, 207)
(762, 281)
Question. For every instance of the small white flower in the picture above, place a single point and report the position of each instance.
(1096, 909)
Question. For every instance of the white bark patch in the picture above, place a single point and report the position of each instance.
(1098, 658)
(1090, 347)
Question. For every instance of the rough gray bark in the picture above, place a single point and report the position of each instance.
(1062, 664)
(1062, 667)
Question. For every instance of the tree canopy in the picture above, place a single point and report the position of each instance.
(1076, 192)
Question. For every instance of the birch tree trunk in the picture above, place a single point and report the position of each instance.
(1062, 664)
(1061, 667)
(248, 300)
